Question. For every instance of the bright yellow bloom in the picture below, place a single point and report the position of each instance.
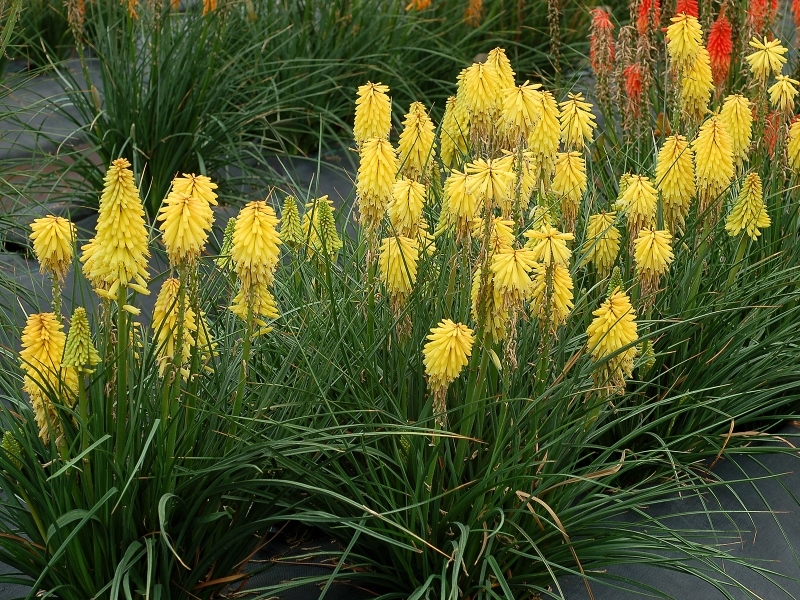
(462, 206)
(653, 251)
(561, 298)
(613, 328)
(454, 136)
(794, 146)
(713, 156)
(569, 185)
(446, 353)
(501, 232)
(376, 176)
(750, 212)
(697, 84)
(291, 233)
(540, 217)
(186, 223)
(166, 325)
(405, 208)
(602, 242)
(640, 200)
(767, 58)
(684, 39)
(117, 255)
(197, 186)
(491, 181)
(521, 110)
(782, 93)
(398, 266)
(262, 303)
(624, 182)
(322, 237)
(255, 249)
(577, 122)
(498, 60)
(675, 179)
(373, 113)
(43, 343)
(737, 117)
(549, 245)
(488, 306)
(53, 238)
(416, 145)
(511, 267)
(480, 86)
(545, 135)
(79, 352)
(524, 165)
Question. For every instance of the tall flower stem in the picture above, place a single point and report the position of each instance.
(737, 262)
(123, 341)
(237, 403)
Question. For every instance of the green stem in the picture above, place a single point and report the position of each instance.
(56, 297)
(737, 262)
(83, 408)
(123, 342)
(237, 403)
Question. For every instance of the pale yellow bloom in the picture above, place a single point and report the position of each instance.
(782, 93)
(168, 319)
(569, 185)
(613, 328)
(373, 112)
(255, 254)
(416, 144)
(675, 179)
(602, 242)
(697, 84)
(376, 176)
(405, 208)
(684, 38)
(186, 223)
(53, 239)
(511, 267)
(521, 110)
(462, 206)
(749, 214)
(498, 60)
(561, 297)
(577, 122)
(641, 201)
(793, 147)
(713, 156)
(737, 117)
(767, 58)
(454, 136)
(398, 266)
(446, 353)
(549, 245)
(198, 186)
(488, 306)
(491, 182)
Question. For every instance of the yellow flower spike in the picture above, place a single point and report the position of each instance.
(602, 242)
(737, 117)
(291, 233)
(521, 110)
(613, 328)
(793, 146)
(480, 86)
(462, 206)
(561, 297)
(263, 305)
(166, 316)
(697, 84)
(376, 176)
(713, 157)
(524, 165)
(322, 237)
(454, 135)
(118, 253)
(569, 185)
(498, 60)
(675, 180)
(397, 264)
(255, 249)
(684, 38)
(540, 217)
(445, 355)
(79, 351)
(416, 144)
(549, 245)
(749, 214)
(186, 223)
(373, 112)
(577, 122)
(767, 58)
(53, 239)
(511, 268)
(624, 182)
(641, 201)
(43, 342)
(652, 255)
(491, 182)
(545, 136)
(501, 232)
(488, 306)
(197, 186)
(405, 208)
(782, 93)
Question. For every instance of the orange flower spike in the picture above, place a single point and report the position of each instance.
(720, 45)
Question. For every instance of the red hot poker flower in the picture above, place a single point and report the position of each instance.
(689, 7)
(643, 21)
(719, 48)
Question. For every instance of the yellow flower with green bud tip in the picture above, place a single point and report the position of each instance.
(569, 185)
(167, 322)
(737, 117)
(675, 179)
(521, 110)
(185, 224)
(53, 243)
(602, 242)
(322, 237)
(525, 167)
(613, 328)
(491, 182)
(749, 214)
(117, 255)
(454, 134)
(373, 112)
(793, 147)
(697, 84)
(376, 176)
(445, 356)
(577, 122)
(782, 93)
(291, 232)
(498, 60)
(397, 264)
(79, 352)
(684, 40)
(549, 245)
(511, 268)
(767, 58)
(416, 144)
(713, 158)
(487, 306)
(560, 304)
(256, 244)
(223, 261)
(405, 208)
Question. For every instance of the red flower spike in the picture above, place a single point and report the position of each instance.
(689, 7)
(601, 42)
(719, 48)
(796, 12)
(760, 12)
(643, 21)
(633, 82)
(771, 130)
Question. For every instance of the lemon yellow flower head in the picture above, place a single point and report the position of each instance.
(640, 201)
(462, 206)
(577, 122)
(613, 328)
(652, 255)
(79, 352)
(488, 307)
(549, 245)
(373, 112)
(766, 59)
(454, 135)
(416, 145)
(569, 185)
(737, 117)
(255, 249)
(498, 60)
(263, 306)
(186, 221)
(117, 255)
(521, 110)
(560, 303)
(323, 239)
(624, 182)
(405, 208)
(697, 84)
(675, 180)
(602, 242)
(544, 138)
(540, 217)
(684, 38)
(500, 232)
(167, 324)
(491, 182)
(376, 176)
(291, 233)
(446, 354)
(511, 268)
(398, 266)
(749, 214)
(525, 168)
(53, 238)
(43, 343)
(793, 146)
(197, 186)
(480, 88)
(713, 157)
(782, 93)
